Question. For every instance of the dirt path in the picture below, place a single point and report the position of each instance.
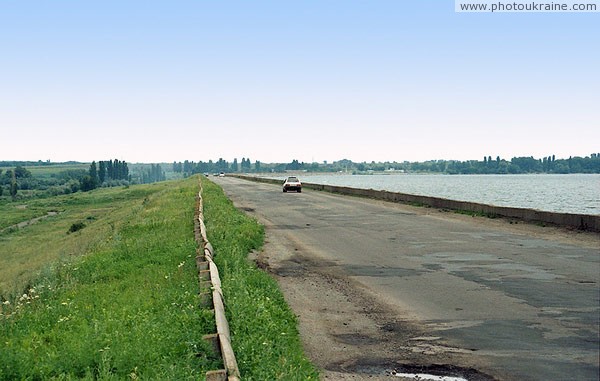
(32, 221)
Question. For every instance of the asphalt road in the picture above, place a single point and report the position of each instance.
(523, 306)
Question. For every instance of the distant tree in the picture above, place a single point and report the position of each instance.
(124, 171)
(502, 167)
(577, 165)
(526, 164)
(222, 165)
(87, 183)
(8, 175)
(177, 167)
(188, 166)
(234, 166)
(94, 174)
(514, 168)
(110, 170)
(21, 172)
(116, 169)
(101, 171)
(153, 174)
(294, 165)
(246, 165)
(14, 188)
(548, 164)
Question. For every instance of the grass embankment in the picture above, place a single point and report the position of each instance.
(24, 252)
(263, 328)
(120, 302)
(118, 298)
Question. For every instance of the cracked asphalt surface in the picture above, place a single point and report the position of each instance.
(381, 287)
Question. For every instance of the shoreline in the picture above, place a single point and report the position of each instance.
(585, 222)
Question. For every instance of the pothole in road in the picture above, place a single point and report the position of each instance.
(435, 372)
(439, 373)
(425, 376)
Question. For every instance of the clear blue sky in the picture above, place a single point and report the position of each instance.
(148, 81)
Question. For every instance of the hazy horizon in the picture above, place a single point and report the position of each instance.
(279, 162)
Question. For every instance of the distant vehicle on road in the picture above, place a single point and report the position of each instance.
(292, 184)
(221, 174)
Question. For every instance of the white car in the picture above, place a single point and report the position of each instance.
(292, 184)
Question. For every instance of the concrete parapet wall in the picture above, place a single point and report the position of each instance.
(579, 221)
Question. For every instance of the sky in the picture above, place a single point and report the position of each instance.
(276, 81)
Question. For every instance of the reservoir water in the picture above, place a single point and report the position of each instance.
(571, 193)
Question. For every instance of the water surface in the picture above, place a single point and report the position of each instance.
(571, 193)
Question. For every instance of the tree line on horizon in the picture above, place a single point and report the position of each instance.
(18, 180)
(489, 165)
(517, 165)
(109, 172)
(106, 171)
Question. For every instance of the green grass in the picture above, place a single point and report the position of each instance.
(476, 214)
(118, 297)
(121, 298)
(27, 251)
(46, 171)
(264, 331)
